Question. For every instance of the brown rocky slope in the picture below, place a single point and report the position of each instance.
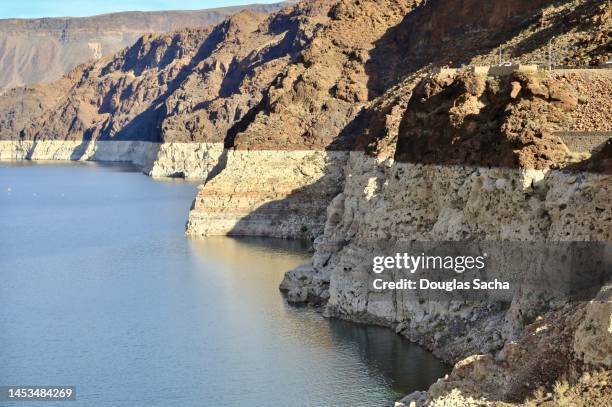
(188, 85)
(42, 50)
(296, 80)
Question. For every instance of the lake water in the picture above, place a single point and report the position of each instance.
(100, 289)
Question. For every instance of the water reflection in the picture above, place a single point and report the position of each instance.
(406, 367)
(260, 264)
(102, 290)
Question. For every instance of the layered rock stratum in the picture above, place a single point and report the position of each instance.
(44, 49)
(336, 120)
(189, 88)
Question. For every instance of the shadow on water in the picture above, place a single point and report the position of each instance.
(405, 366)
(257, 265)
(285, 246)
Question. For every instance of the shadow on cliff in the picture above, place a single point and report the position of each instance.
(429, 132)
(452, 33)
(80, 150)
(599, 162)
(140, 155)
(301, 214)
(439, 33)
(303, 211)
(580, 18)
(147, 126)
(239, 70)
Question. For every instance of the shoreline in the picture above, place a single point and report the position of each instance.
(366, 318)
(192, 161)
(248, 239)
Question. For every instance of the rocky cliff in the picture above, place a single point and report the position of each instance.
(187, 89)
(553, 363)
(458, 157)
(291, 148)
(476, 158)
(328, 121)
(44, 49)
(269, 193)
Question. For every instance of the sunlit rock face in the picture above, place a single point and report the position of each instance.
(159, 160)
(43, 49)
(268, 193)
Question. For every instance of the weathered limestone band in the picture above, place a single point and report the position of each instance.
(188, 160)
(255, 193)
(386, 200)
(269, 193)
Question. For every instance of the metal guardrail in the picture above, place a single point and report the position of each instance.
(584, 141)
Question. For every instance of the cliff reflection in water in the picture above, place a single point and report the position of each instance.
(260, 263)
(405, 366)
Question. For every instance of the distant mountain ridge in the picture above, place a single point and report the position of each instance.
(44, 49)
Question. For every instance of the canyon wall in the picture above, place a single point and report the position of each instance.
(290, 152)
(475, 159)
(268, 193)
(183, 160)
(325, 121)
(383, 202)
(169, 103)
(44, 49)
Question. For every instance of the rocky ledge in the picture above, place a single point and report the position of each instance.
(184, 160)
(561, 359)
(268, 193)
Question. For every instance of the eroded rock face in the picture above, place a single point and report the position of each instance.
(42, 50)
(477, 158)
(304, 114)
(387, 201)
(593, 338)
(186, 86)
(558, 348)
(472, 31)
(384, 201)
(468, 119)
(268, 193)
(183, 160)
(311, 105)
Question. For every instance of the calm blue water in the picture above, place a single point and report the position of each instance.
(100, 289)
